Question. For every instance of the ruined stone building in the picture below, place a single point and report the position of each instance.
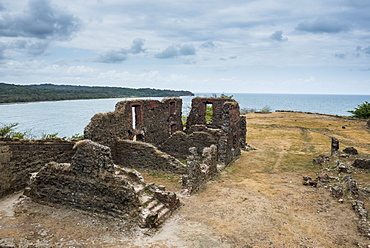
(149, 134)
(97, 174)
(160, 123)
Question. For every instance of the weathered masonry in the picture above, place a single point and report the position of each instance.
(150, 121)
(212, 121)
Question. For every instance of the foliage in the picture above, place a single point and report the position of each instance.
(266, 109)
(245, 111)
(7, 129)
(50, 92)
(209, 112)
(362, 111)
(77, 136)
(226, 96)
(214, 95)
(50, 135)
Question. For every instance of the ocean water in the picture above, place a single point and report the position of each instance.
(70, 117)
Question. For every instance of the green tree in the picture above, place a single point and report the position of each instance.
(362, 111)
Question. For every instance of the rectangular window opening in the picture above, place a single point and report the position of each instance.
(209, 112)
(136, 116)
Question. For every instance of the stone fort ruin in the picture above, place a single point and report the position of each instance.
(160, 123)
(98, 174)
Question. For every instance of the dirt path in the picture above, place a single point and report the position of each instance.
(259, 201)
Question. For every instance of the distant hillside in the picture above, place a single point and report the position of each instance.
(10, 93)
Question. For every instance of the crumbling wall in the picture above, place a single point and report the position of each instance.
(21, 157)
(179, 143)
(92, 182)
(159, 123)
(225, 117)
(136, 154)
(151, 121)
(88, 183)
(199, 168)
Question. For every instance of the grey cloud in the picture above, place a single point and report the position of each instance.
(174, 51)
(187, 50)
(33, 48)
(231, 57)
(118, 56)
(2, 50)
(137, 46)
(37, 48)
(322, 25)
(208, 44)
(169, 52)
(340, 55)
(361, 50)
(113, 56)
(39, 20)
(278, 36)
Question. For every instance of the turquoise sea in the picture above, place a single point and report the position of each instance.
(70, 117)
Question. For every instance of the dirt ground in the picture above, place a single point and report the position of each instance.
(258, 201)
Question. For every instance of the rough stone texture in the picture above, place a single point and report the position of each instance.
(368, 123)
(20, 157)
(361, 163)
(351, 185)
(159, 123)
(226, 117)
(151, 121)
(321, 159)
(88, 183)
(135, 154)
(93, 183)
(362, 213)
(350, 151)
(200, 168)
(334, 146)
(179, 143)
(337, 191)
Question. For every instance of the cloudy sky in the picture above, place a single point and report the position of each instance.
(251, 46)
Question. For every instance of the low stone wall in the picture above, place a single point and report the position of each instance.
(140, 155)
(179, 143)
(20, 157)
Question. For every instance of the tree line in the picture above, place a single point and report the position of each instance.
(11, 93)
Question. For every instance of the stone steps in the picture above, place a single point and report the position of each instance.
(155, 212)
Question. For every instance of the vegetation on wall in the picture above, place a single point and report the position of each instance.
(9, 131)
(10, 93)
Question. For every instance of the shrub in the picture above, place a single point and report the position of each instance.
(266, 109)
(362, 111)
(7, 129)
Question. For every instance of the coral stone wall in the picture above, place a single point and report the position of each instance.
(134, 154)
(226, 117)
(20, 158)
(89, 183)
(150, 121)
